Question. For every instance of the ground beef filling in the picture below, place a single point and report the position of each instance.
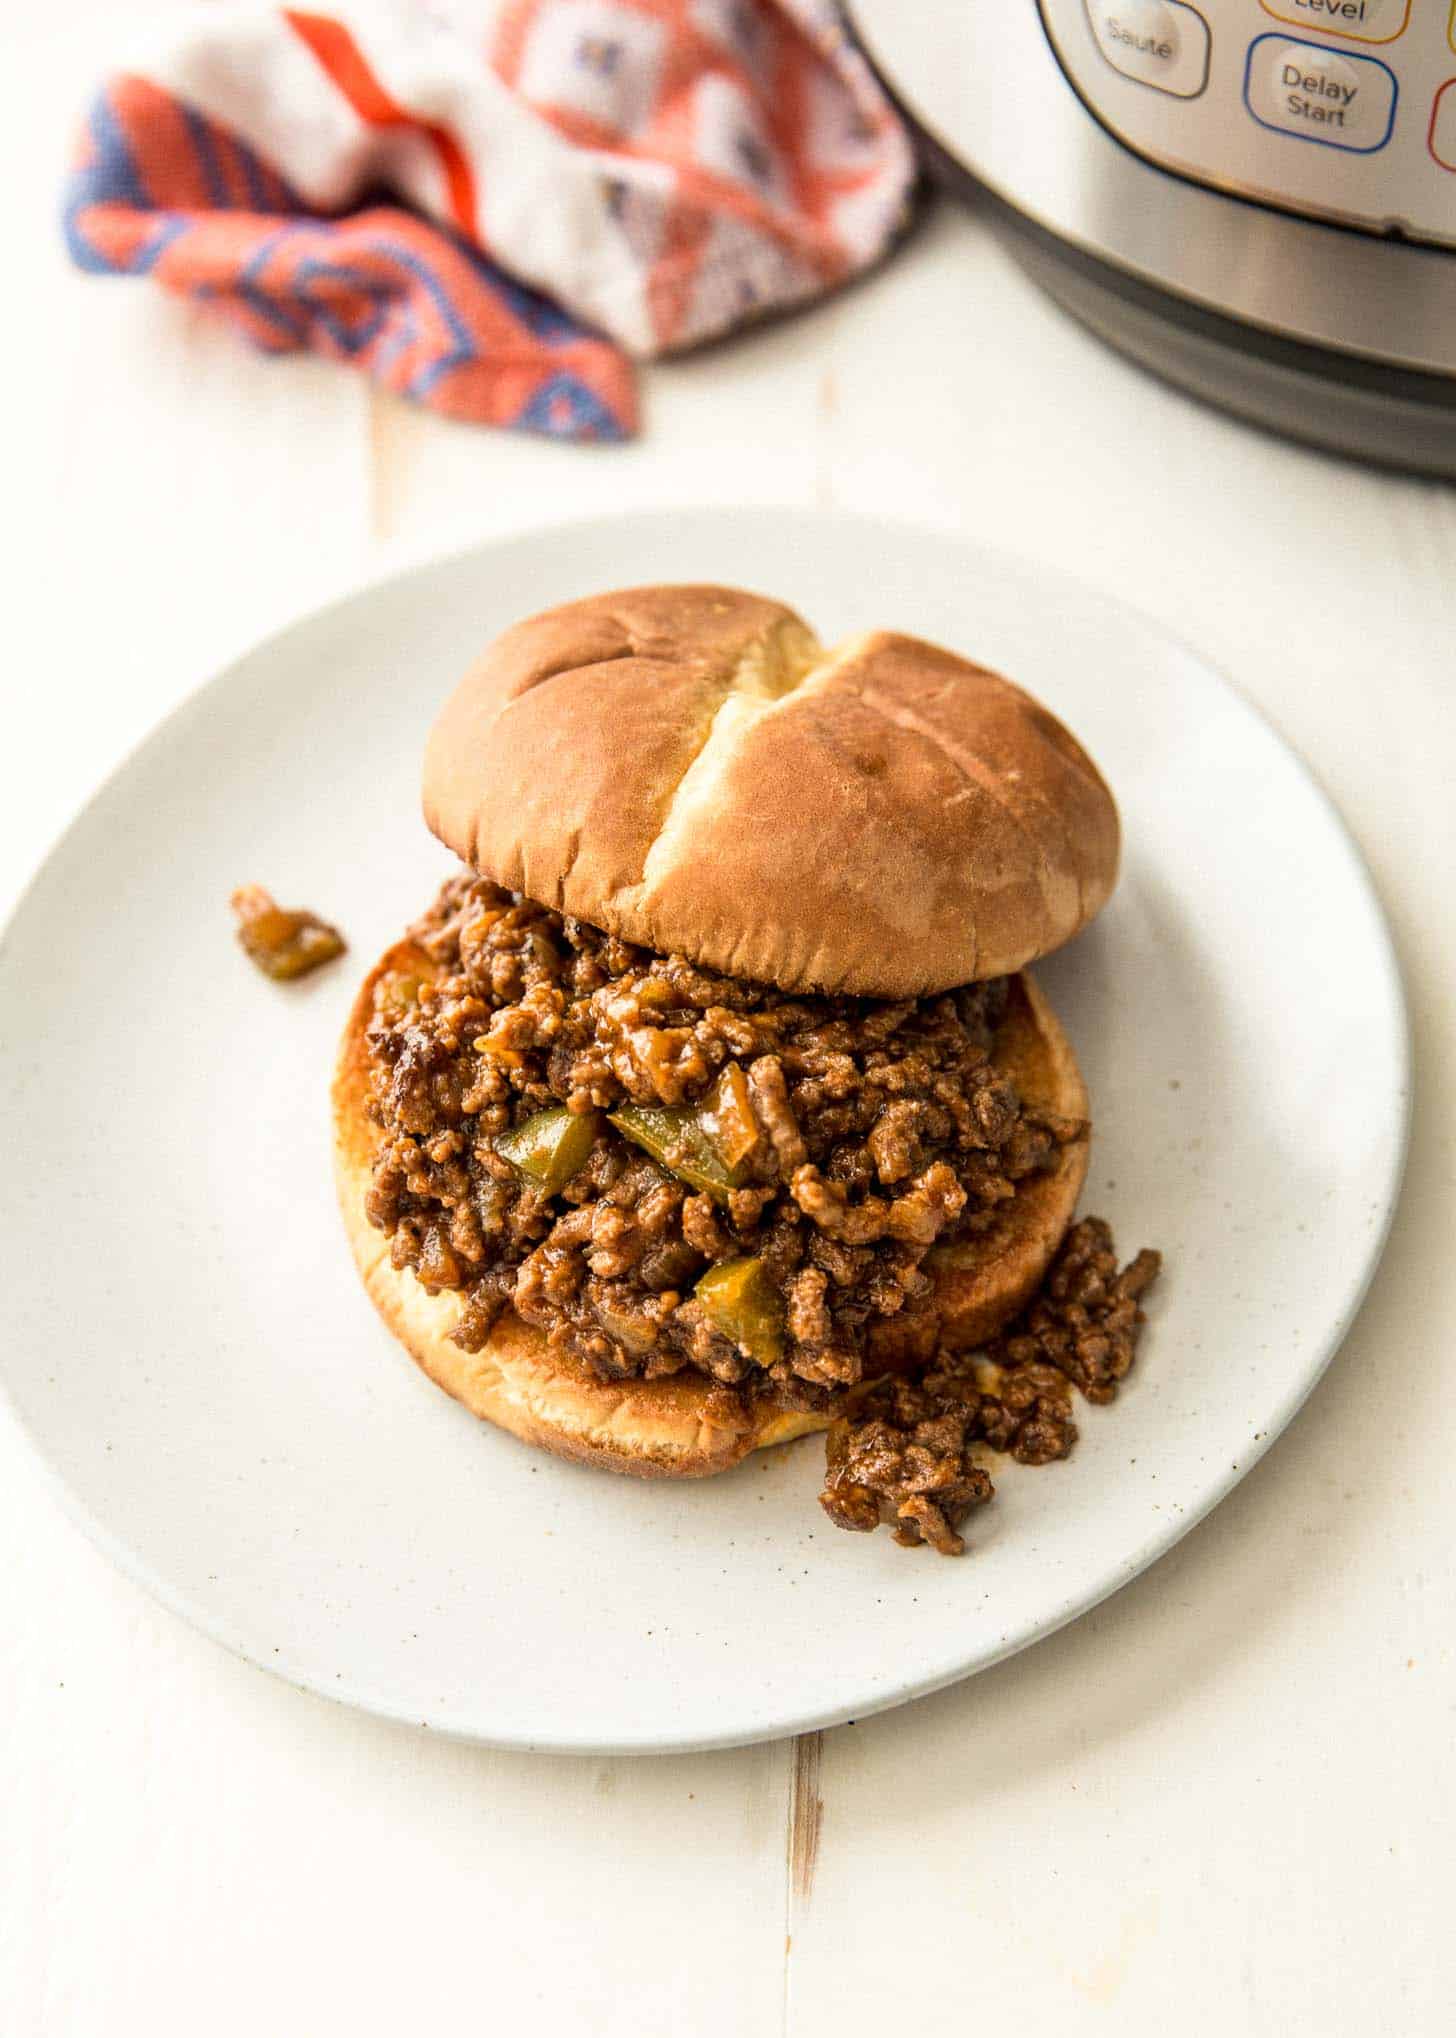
(902, 1452)
(755, 1179)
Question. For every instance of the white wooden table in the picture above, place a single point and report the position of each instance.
(1222, 1803)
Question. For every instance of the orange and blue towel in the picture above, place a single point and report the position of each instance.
(493, 207)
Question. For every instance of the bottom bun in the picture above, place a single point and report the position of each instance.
(662, 1429)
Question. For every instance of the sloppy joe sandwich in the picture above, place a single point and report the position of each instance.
(711, 1101)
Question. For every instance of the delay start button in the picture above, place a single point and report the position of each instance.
(1162, 43)
(1320, 95)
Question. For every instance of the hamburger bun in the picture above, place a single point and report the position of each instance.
(688, 768)
(669, 1428)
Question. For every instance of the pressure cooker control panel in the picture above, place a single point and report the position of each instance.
(1340, 109)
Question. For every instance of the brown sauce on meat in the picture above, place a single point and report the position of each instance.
(748, 1182)
(862, 1133)
(903, 1451)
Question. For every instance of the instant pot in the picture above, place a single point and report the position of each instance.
(1255, 198)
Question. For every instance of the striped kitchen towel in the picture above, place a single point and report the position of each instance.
(492, 206)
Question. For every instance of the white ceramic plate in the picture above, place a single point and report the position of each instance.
(190, 1349)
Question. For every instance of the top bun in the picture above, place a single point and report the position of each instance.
(688, 768)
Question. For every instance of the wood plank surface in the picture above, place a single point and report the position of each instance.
(1223, 1802)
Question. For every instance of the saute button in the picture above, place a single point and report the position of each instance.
(1359, 20)
(1162, 43)
(1443, 126)
(1320, 95)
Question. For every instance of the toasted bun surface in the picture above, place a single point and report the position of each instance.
(661, 1429)
(688, 768)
